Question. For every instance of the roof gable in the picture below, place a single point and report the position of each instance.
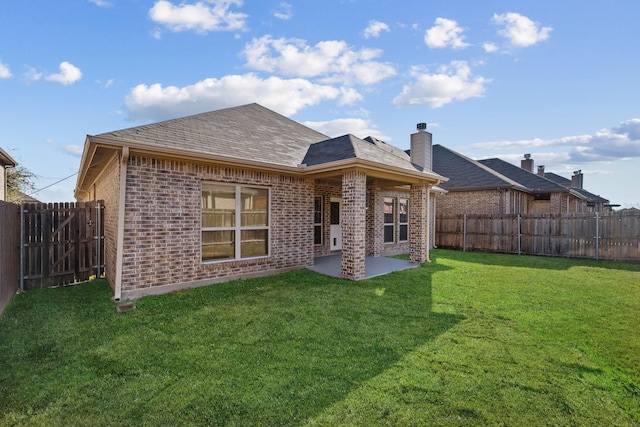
(351, 147)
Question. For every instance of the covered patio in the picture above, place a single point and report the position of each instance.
(331, 265)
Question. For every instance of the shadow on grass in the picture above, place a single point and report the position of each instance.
(530, 261)
(271, 351)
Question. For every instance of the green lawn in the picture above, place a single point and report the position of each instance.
(471, 339)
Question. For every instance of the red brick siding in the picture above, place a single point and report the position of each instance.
(163, 220)
(107, 189)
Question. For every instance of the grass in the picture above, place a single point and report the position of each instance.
(471, 339)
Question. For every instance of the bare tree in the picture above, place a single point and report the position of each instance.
(19, 183)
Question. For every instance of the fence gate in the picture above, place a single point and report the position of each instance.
(60, 243)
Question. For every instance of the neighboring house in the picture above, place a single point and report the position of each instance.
(493, 186)
(476, 188)
(5, 162)
(245, 191)
(21, 197)
(584, 201)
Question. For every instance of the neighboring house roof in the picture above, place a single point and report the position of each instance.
(466, 174)
(20, 197)
(533, 182)
(565, 182)
(6, 159)
(579, 192)
(584, 194)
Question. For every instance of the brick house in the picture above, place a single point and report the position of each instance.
(244, 191)
(494, 186)
(584, 201)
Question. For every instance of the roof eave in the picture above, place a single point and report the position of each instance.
(337, 166)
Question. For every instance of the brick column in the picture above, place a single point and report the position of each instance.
(419, 223)
(377, 203)
(354, 194)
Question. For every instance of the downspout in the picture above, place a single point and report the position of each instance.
(121, 212)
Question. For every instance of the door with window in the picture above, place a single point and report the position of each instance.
(335, 232)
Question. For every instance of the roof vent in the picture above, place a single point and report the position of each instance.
(421, 126)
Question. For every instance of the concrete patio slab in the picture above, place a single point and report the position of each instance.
(374, 266)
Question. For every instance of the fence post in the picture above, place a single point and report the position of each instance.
(519, 234)
(22, 247)
(597, 236)
(464, 234)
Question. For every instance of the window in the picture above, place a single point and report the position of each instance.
(403, 219)
(389, 220)
(235, 222)
(317, 220)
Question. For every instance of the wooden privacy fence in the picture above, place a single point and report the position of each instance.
(60, 243)
(9, 257)
(612, 236)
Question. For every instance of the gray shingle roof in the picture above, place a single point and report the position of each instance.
(590, 196)
(525, 178)
(351, 147)
(248, 132)
(565, 182)
(467, 174)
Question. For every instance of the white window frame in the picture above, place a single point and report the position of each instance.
(400, 223)
(318, 224)
(391, 224)
(238, 227)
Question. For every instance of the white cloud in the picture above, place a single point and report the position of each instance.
(68, 74)
(5, 73)
(284, 11)
(445, 33)
(453, 82)
(619, 142)
(519, 30)
(101, 3)
(287, 96)
(374, 29)
(333, 61)
(32, 75)
(201, 17)
(490, 47)
(358, 127)
(76, 150)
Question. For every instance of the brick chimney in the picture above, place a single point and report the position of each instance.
(541, 170)
(421, 147)
(527, 163)
(577, 179)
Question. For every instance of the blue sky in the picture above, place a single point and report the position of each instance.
(557, 79)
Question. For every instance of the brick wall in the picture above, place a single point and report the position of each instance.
(107, 189)
(354, 189)
(163, 217)
(418, 223)
(477, 202)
